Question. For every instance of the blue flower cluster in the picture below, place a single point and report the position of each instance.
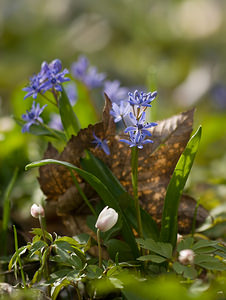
(135, 108)
(50, 77)
(131, 112)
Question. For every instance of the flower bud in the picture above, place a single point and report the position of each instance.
(179, 238)
(37, 210)
(106, 219)
(186, 256)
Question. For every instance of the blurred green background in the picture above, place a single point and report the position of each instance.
(177, 47)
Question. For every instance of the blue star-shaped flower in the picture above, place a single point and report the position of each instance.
(33, 116)
(119, 111)
(101, 144)
(52, 76)
(139, 125)
(136, 140)
(141, 99)
(34, 87)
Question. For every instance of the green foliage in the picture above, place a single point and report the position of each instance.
(106, 195)
(68, 117)
(95, 166)
(175, 188)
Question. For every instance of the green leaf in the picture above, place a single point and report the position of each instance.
(70, 241)
(37, 246)
(68, 254)
(204, 244)
(154, 258)
(163, 249)
(38, 231)
(93, 272)
(175, 188)
(68, 117)
(14, 258)
(98, 168)
(185, 244)
(103, 192)
(58, 287)
(116, 246)
(186, 271)
(59, 275)
(209, 262)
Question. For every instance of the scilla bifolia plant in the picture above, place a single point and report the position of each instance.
(100, 159)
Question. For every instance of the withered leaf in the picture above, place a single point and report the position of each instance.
(156, 165)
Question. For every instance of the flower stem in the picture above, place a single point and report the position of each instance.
(99, 248)
(134, 165)
(42, 227)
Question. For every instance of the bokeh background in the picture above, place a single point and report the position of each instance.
(175, 46)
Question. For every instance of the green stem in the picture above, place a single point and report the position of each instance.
(49, 100)
(82, 194)
(18, 257)
(99, 248)
(134, 165)
(6, 212)
(42, 227)
(57, 136)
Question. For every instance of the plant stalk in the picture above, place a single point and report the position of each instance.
(99, 248)
(134, 166)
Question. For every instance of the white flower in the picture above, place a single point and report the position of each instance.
(37, 210)
(107, 219)
(186, 256)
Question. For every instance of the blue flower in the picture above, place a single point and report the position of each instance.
(141, 99)
(34, 87)
(139, 125)
(119, 111)
(101, 144)
(114, 91)
(136, 140)
(87, 74)
(52, 76)
(32, 116)
(55, 122)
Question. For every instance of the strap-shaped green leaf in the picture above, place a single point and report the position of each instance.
(68, 117)
(175, 188)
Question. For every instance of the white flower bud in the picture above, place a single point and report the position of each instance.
(186, 256)
(179, 238)
(107, 219)
(37, 210)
